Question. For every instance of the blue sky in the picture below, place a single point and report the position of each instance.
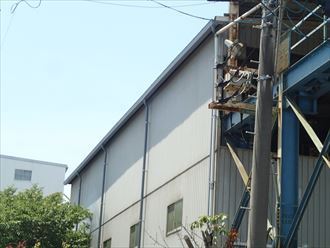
(71, 69)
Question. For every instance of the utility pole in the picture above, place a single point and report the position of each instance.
(257, 231)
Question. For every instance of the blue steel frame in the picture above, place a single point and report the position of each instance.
(289, 171)
(307, 194)
(297, 80)
(300, 77)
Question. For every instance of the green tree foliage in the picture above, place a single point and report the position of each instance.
(39, 221)
(211, 227)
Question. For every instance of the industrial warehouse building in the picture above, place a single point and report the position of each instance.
(154, 164)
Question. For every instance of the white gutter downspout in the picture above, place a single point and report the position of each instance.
(215, 134)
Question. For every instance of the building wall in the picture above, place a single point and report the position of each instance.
(177, 157)
(124, 166)
(192, 188)
(313, 229)
(91, 188)
(177, 167)
(179, 131)
(49, 176)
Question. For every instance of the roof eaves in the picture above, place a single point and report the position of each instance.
(33, 161)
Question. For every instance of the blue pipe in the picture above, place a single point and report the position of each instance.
(289, 171)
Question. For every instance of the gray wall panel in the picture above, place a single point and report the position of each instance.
(74, 191)
(192, 188)
(91, 188)
(124, 167)
(312, 231)
(180, 118)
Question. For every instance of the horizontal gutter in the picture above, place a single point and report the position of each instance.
(174, 65)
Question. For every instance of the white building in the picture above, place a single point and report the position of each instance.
(153, 167)
(22, 173)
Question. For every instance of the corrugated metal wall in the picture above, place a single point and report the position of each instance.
(118, 229)
(192, 187)
(179, 132)
(313, 230)
(124, 167)
(178, 142)
(91, 188)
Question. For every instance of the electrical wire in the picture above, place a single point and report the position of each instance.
(181, 12)
(15, 5)
(7, 30)
(107, 2)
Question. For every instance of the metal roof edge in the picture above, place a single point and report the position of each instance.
(34, 161)
(186, 52)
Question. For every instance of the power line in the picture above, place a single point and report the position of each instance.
(181, 12)
(109, 2)
(15, 5)
(7, 30)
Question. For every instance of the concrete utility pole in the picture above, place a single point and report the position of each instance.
(257, 232)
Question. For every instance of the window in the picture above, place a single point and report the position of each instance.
(23, 175)
(134, 235)
(174, 217)
(107, 243)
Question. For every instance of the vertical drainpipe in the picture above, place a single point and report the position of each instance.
(289, 170)
(146, 131)
(102, 195)
(79, 193)
(215, 125)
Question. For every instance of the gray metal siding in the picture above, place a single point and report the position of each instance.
(312, 231)
(118, 229)
(74, 191)
(124, 167)
(91, 188)
(192, 188)
(153, 89)
(180, 118)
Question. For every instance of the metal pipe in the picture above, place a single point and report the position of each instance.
(146, 131)
(325, 30)
(102, 194)
(306, 17)
(210, 207)
(215, 126)
(79, 192)
(310, 33)
(246, 14)
(212, 165)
